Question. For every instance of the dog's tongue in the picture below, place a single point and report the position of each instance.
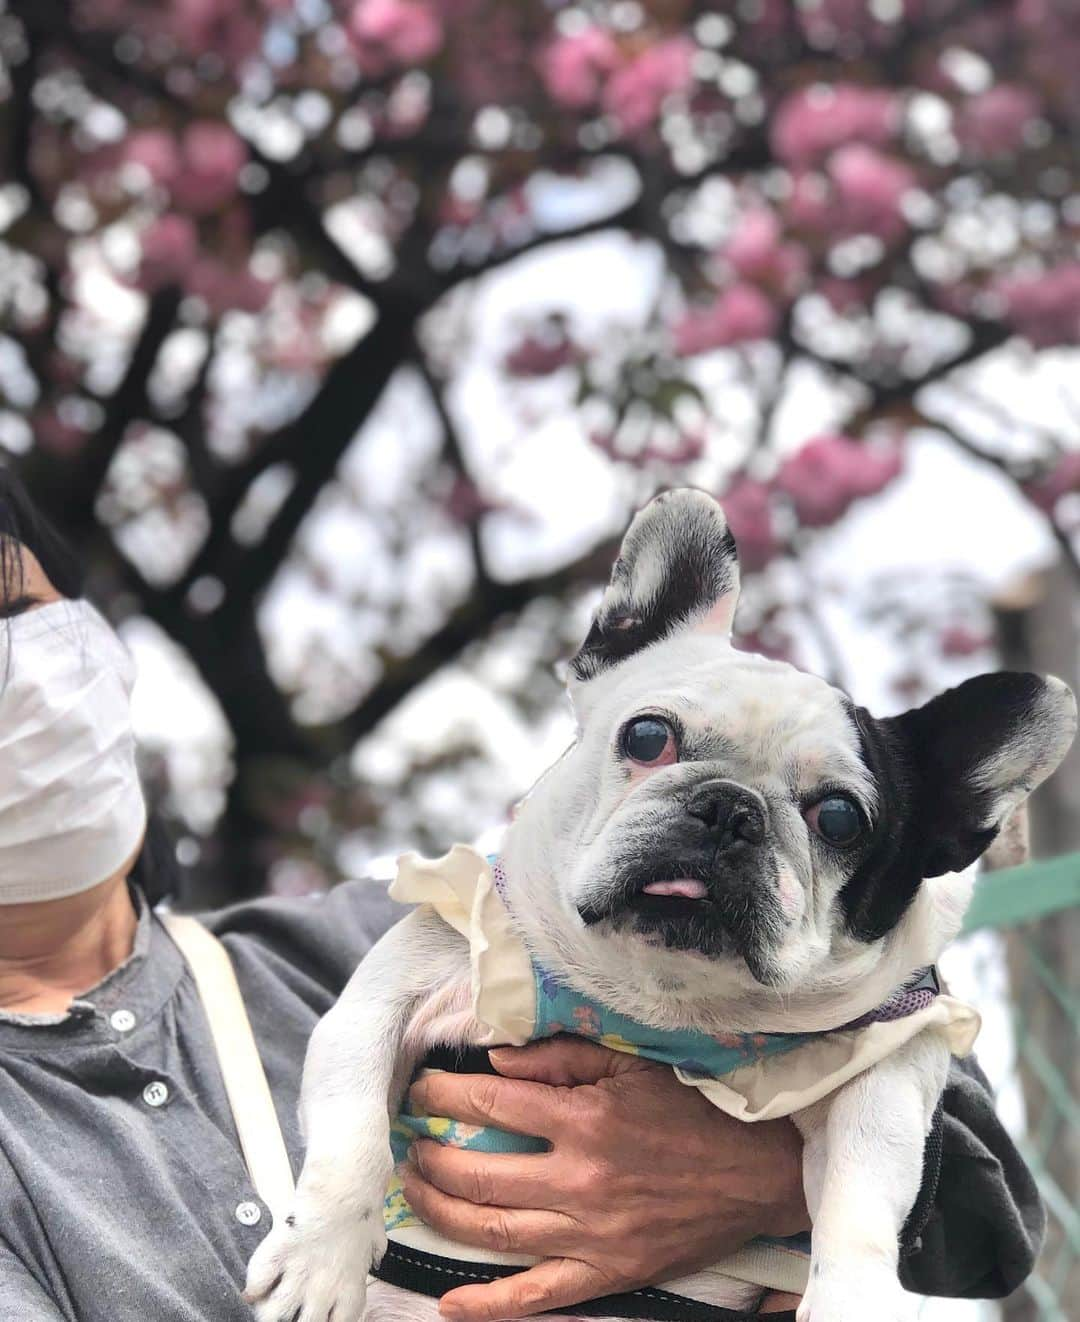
(684, 886)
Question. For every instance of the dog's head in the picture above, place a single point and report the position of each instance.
(721, 803)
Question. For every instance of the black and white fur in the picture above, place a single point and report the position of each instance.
(792, 934)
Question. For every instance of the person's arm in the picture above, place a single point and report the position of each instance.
(987, 1221)
(647, 1181)
(21, 1298)
(320, 938)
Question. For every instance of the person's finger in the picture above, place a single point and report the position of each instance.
(556, 1283)
(493, 1179)
(774, 1302)
(505, 1229)
(565, 1062)
(486, 1099)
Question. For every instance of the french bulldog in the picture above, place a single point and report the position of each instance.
(730, 845)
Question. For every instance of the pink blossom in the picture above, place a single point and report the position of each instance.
(607, 442)
(755, 251)
(749, 509)
(1053, 52)
(808, 202)
(195, 22)
(389, 33)
(1061, 480)
(854, 22)
(869, 190)
(156, 151)
(169, 247)
(958, 640)
(994, 122)
(574, 67)
(465, 503)
(739, 314)
(51, 433)
(814, 121)
(829, 473)
(767, 641)
(1045, 307)
(222, 26)
(958, 299)
(844, 296)
(225, 288)
(540, 355)
(213, 159)
(635, 93)
(685, 448)
(754, 242)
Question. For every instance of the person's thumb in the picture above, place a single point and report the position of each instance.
(554, 1283)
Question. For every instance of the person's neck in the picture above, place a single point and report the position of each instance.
(52, 951)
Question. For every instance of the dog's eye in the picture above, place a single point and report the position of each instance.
(650, 741)
(837, 820)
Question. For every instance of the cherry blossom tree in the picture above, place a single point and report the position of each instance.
(249, 359)
(235, 232)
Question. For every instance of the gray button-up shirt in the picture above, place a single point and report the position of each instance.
(123, 1193)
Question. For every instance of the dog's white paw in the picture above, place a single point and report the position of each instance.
(855, 1292)
(314, 1266)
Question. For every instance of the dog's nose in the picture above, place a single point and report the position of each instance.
(731, 813)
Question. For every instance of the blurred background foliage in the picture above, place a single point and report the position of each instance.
(343, 336)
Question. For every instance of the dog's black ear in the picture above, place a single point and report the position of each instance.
(677, 569)
(955, 769)
(979, 750)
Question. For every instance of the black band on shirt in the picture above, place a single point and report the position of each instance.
(423, 1273)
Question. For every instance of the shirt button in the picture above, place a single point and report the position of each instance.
(155, 1094)
(249, 1214)
(122, 1020)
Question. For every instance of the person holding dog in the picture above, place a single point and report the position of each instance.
(125, 1138)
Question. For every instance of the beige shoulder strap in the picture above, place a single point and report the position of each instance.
(245, 1080)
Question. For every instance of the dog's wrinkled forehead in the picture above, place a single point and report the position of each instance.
(764, 721)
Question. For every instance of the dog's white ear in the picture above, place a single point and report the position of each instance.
(678, 569)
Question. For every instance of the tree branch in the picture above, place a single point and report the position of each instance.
(985, 337)
(190, 427)
(312, 444)
(968, 446)
(626, 218)
(69, 491)
(469, 622)
(456, 458)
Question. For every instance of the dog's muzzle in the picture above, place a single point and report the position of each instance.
(735, 818)
(706, 881)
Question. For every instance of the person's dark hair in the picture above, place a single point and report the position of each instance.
(156, 870)
(21, 522)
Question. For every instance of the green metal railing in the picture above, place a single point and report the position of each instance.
(1035, 910)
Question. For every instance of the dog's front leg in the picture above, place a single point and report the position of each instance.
(862, 1165)
(314, 1265)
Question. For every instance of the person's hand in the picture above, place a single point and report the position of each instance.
(645, 1179)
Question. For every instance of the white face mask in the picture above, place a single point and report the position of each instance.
(71, 807)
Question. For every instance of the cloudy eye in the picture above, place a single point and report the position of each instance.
(650, 741)
(837, 820)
